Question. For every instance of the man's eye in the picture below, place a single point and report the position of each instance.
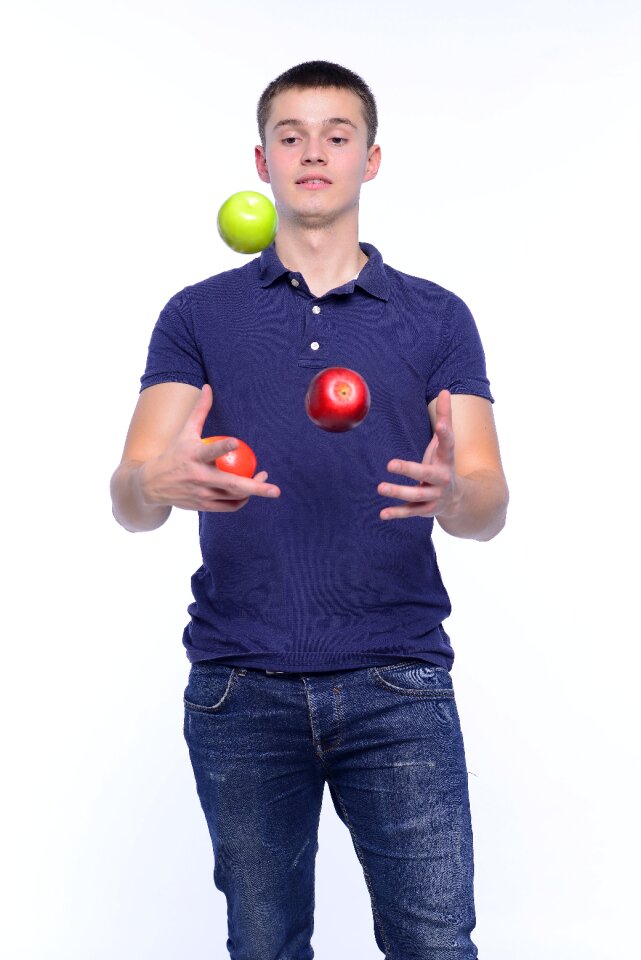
(289, 139)
(338, 139)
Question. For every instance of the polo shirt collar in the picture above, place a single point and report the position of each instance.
(372, 277)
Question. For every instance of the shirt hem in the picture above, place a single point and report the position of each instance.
(316, 662)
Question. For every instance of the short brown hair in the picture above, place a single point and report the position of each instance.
(319, 73)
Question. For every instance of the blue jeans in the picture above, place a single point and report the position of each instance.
(387, 740)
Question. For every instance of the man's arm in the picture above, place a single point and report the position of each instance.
(460, 480)
(166, 464)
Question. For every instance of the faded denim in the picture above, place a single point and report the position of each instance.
(387, 740)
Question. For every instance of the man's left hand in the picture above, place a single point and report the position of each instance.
(438, 492)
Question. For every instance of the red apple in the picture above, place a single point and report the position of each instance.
(241, 460)
(337, 399)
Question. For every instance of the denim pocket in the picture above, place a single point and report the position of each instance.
(209, 686)
(415, 678)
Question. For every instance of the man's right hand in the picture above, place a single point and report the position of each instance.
(165, 463)
(185, 475)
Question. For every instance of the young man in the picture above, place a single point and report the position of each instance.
(316, 643)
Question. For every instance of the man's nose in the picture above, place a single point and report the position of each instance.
(314, 153)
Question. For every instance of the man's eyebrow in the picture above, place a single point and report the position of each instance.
(331, 122)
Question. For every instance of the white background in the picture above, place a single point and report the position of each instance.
(510, 174)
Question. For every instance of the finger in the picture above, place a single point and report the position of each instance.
(414, 494)
(263, 489)
(224, 506)
(444, 406)
(209, 451)
(430, 454)
(433, 473)
(196, 419)
(399, 513)
(444, 429)
(240, 487)
(445, 435)
(231, 505)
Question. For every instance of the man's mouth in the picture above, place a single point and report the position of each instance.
(313, 183)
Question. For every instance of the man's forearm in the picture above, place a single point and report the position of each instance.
(481, 511)
(128, 504)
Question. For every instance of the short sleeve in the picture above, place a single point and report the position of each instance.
(459, 365)
(173, 354)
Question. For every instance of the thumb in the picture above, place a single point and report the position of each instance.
(444, 406)
(196, 419)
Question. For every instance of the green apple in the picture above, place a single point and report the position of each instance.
(247, 221)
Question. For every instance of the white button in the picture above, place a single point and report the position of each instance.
(294, 282)
(314, 345)
(315, 309)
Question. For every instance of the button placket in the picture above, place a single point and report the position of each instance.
(316, 339)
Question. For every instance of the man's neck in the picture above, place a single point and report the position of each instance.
(326, 258)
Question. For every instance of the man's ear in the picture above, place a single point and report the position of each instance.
(261, 164)
(373, 162)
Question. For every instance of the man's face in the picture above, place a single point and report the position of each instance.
(316, 155)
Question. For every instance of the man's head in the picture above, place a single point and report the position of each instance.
(319, 74)
(315, 149)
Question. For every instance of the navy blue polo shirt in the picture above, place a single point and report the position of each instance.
(314, 580)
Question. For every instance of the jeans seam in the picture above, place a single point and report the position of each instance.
(320, 750)
(315, 737)
(339, 710)
(216, 706)
(407, 663)
(415, 691)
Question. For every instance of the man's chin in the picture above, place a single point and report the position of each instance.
(314, 221)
